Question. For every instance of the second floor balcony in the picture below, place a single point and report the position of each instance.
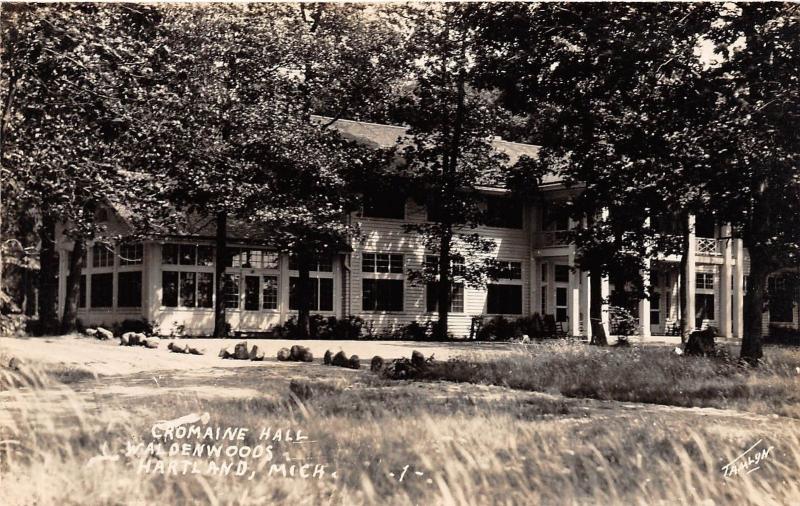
(551, 238)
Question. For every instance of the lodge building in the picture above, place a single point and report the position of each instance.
(169, 280)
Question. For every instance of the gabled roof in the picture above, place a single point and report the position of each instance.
(385, 136)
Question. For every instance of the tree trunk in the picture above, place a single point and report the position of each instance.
(443, 288)
(596, 309)
(48, 275)
(220, 325)
(73, 288)
(754, 308)
(303, 295)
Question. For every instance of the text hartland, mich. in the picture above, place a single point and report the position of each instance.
(186, 445)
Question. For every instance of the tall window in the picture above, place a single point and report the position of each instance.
(129, 289)
(261, 292)
(703, 307)
(655, 308)
(251, 293)
(231, 291)
(321, 294)
(187, 289)
(382, 294)
(269, 292)
(561, 304)
(504, 299)
(102, 290)
(456, 297)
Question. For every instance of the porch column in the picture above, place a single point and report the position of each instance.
(605, 292)
(283, 287)
(738, 289)
(573, 297)
(586, 304)
(644, 304)
(535, 290)
(725, 283)
(690, 275)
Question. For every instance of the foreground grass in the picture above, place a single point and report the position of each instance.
(640, 374)
(473, 445)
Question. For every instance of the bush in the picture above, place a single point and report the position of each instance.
(498, 328)
(533, 326)
(622, 322)
(321, 327)
(141, 326)
(783, 335)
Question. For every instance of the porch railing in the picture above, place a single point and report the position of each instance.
(552, 238)
(707, 246)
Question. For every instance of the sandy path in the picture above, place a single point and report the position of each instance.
(108, 358)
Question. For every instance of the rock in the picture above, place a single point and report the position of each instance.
(295, 353)
(124, 339)
(240, 351)
(417, 359)
(195, 351)
(377, 364)
(225, 352)
(306, 355)
(327, 358)
(151, 343)
(284, 354)
(701, 343)
(178, 348)
(104, 334)
(256, 355)
(90, 332)
(340, 360)
(354, 362)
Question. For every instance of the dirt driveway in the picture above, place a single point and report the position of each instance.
(108, 358)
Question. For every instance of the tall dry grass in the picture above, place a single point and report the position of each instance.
(471, 450)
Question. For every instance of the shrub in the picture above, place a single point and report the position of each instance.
(132, 325)
(532, 325)
(783, 335)
(498, 328)
(622, 322)
(321, 327)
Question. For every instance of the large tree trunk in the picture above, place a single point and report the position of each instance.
(48, 272)
(754, 308)
(73, 290)
(303, 295)
(220, 325)
(443, 288)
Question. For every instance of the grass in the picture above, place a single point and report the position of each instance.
(472, 444)
(640, 374)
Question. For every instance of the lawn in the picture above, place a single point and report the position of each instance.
(519, 429)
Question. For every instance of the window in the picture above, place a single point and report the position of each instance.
(187, 254)
(131, 254)
(561, 304)
(384, 206)
(102, 289)
(129, 289)
(82, 293)
(655, 308)
(251, 294)
(544, 273)
(704, 281)
(544, 299)
(169, 254)
(102, 256)
(456, 297)
(231, 291)
(509, 270)
(169, 289)
(317, 265)
(504, 299)
(781, 303)
(187, 289)
(562, 273)
(321, 294)
(382, 294)
(205, 255)
(503, 212)
(382, 263)
(253, 258)
(703, 307)
(456, 264)
(269, 292)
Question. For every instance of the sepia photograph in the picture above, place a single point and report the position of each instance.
(399, 253)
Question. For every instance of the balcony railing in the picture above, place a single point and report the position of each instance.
(552, 238)
(707, 246)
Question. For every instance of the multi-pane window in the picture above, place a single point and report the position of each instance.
(456, 297)
(561, 304)
(169, 254)
(703, 307)
(456, 265)
(382, 294)
(129, 289)
(321, 296)
(187, 289)
(324, 264)
(382, 263)
(102, 289)
(231, 287)
(704, 281)
(252, 258)
(102, 255)
(504, 299)
(269, 292)
(131, 254)
(509, 270)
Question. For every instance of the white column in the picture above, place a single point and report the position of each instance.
(690, 276)
(152, 279)
(644, 304)
(586, 304)
(605, 292)
(738, 290)
(283, 287)
(573, 297)
(725, 283)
